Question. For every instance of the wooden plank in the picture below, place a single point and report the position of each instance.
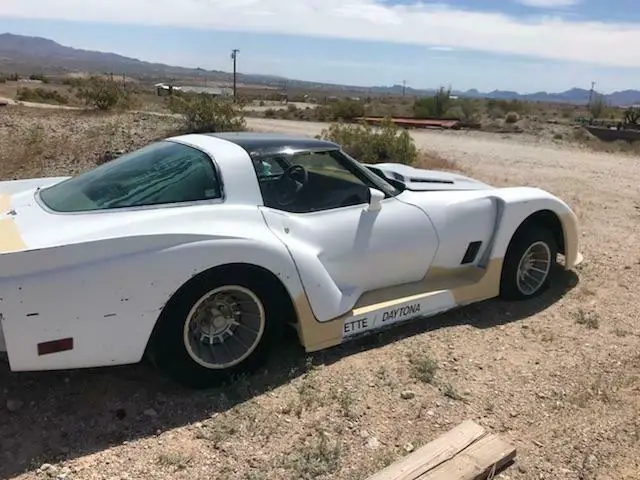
(481, 460)
(433, 453)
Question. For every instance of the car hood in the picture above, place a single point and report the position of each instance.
(417, 179)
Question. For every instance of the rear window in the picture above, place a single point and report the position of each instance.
(161, 173)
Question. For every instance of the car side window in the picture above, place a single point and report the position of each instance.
(161, 173)
(328, 184)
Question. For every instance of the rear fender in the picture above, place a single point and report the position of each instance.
(109, 307)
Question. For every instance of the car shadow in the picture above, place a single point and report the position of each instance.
(55, 416)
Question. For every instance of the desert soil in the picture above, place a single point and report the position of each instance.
(559, 376)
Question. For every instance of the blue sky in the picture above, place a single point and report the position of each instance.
(522, 45)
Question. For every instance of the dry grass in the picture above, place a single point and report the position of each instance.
(36, 142)
(560, 376)
(434, 161)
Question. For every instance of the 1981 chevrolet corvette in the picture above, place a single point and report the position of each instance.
(197, 250)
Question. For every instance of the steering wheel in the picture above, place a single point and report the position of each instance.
(291, 184)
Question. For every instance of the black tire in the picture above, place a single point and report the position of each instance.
(167, 348)
(524, 238)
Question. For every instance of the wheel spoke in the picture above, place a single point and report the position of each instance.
(539, 270)
(224, 327)
(533, 268)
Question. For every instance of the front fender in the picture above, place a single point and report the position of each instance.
(521, 203)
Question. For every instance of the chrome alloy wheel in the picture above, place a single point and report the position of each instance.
(224, 327)
(533, 268)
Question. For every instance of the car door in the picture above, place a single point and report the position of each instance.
(341, 247)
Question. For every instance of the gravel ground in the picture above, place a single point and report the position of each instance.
(559, 376)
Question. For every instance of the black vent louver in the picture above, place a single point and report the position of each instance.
(471, 253)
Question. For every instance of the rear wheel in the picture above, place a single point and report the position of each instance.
(529, 263)
(219, 326)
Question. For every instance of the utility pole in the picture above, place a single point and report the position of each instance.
(593, 84)
(234, 55)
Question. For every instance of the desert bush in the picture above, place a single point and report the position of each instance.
(469, 110)
(433, 107)
(13, 77)
(495, 113)
(632, 115)
(41, 95)
(598, 106)
(3, 79)
(72, 81)
(204, 113)
(512, 117)
(514, 105)
(373, 145)
(346, 109)
(39, 76)
(101, 93)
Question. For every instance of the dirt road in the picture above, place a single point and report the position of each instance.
(560, 375)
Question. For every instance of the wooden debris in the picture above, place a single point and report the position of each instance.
(466, 452)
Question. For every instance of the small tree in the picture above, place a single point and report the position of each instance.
(204, 113)
(100, 93)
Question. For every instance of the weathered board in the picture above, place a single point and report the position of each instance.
(466, 452)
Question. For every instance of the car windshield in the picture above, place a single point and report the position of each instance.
(160, 173)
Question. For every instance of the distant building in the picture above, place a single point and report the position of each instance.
(164, 89)
(216, 91)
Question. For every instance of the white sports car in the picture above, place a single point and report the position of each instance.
(199, 249)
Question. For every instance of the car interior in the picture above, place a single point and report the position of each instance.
(313, 182)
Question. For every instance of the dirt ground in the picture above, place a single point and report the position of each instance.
(559, 376)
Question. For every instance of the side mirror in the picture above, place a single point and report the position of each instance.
(375, 200)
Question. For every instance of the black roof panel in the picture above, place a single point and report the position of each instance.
(257, 143)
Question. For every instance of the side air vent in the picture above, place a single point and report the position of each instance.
(432, 180)
(471, 253)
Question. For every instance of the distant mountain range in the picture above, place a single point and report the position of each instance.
(26, 55)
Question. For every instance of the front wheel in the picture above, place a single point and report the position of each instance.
(529, 263)
(217, 327)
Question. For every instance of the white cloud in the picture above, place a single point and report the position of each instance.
(549, 3)
(430, 24)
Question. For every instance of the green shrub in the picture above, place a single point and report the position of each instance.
(632, 115)
(347, 109)
(204, 113)
(435, 106)
(41, 95)
(373, 145)
(101, 93)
